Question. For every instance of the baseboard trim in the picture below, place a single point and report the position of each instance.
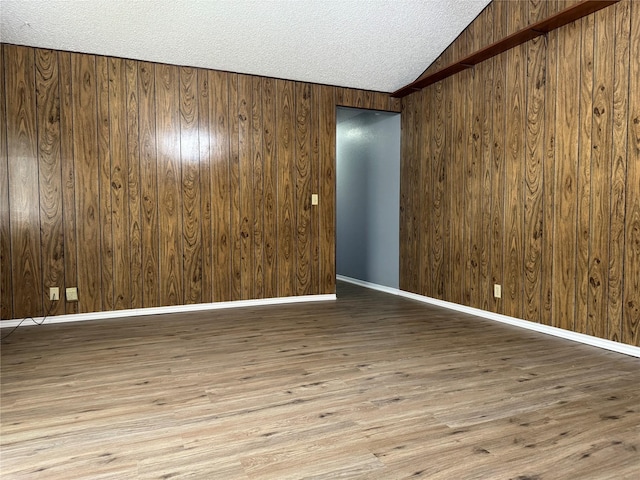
(369, 285)
(517, 322)
(196, 307)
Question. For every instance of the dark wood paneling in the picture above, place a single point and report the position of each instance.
(191, 201)
(50, 174)
(169, 184)
(618, 171)
(151, 185)
(24, 205)
(631, 312)
(562, 185)
(6, 283)
(285, 140)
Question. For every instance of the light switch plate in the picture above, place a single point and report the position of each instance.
(314, 199)
(497, 290)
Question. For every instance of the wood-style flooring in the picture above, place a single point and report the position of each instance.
(372, 386)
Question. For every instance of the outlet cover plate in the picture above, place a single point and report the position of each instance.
(54, 293)
(72, 294)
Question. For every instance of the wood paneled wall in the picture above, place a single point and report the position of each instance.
(147, 184)
(525, 172)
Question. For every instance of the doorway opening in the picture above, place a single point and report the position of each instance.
(368, 196)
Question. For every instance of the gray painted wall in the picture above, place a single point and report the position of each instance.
(368, 196)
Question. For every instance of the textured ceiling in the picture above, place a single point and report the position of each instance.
(370, 44)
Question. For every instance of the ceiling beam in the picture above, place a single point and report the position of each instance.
(530, 32)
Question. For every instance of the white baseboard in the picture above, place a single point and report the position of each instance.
(547, 329)
(196, 307)
(372, 286)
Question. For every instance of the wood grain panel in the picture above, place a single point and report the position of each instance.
(486, 120)
(631, 312)
(558, 187)
(50, 174)
(119, 184)
(169, 174)
(257, 187)
(498, 163)
(601, 146)
(234, 190)
(245, 157)
(68, 176)
(133, 177)
(327, 198)
(6, 281)
(270, 186)
(565, 188)
(549, 172)
(515, 142)
(618, 170)
(23, 181)
(315, 228)
(104, 161)
(87, 167)
(221, 197)
(425, 216)
(584, 173)
(439, 178)
(285, 148)
(533, 176)
(303, 188)
(415, 180)
(190, 195)
(204, 128)
(150, 236)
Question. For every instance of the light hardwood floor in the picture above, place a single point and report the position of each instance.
(369, 386)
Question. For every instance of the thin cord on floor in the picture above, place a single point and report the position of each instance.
(30, 318)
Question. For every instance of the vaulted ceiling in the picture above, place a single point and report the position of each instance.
(369, 44)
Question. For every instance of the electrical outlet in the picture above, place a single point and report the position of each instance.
(54, 293)
(497, 290)
(72, 294)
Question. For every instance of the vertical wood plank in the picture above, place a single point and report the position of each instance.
(439, 176)
(190, 192)
(424, 193)
(285, 152)
(104, 161)
(133, 174)
(302, 187)
(631, 312)
(584, 172)
(245, 161)
(50, 174)
(315, 228)
(258, 188)
(618, 170)
(601, 146)
(6, 281)
(23, 181)
(327, 191)
(119, 184)
(221, 196)
(234, 190)
(204, 127)
(68, 176)
(565, 189)
(169, 174)
(498, 163)
(270, 187)
(486, 123)
(533, 180)
(150, 233)
(514, 194)
(415, 179)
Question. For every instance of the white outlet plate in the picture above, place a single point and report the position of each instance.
(72, 294)
(314, 199)
(497, 290)
(54, 293)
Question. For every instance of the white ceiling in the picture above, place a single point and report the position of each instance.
(370, 44)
